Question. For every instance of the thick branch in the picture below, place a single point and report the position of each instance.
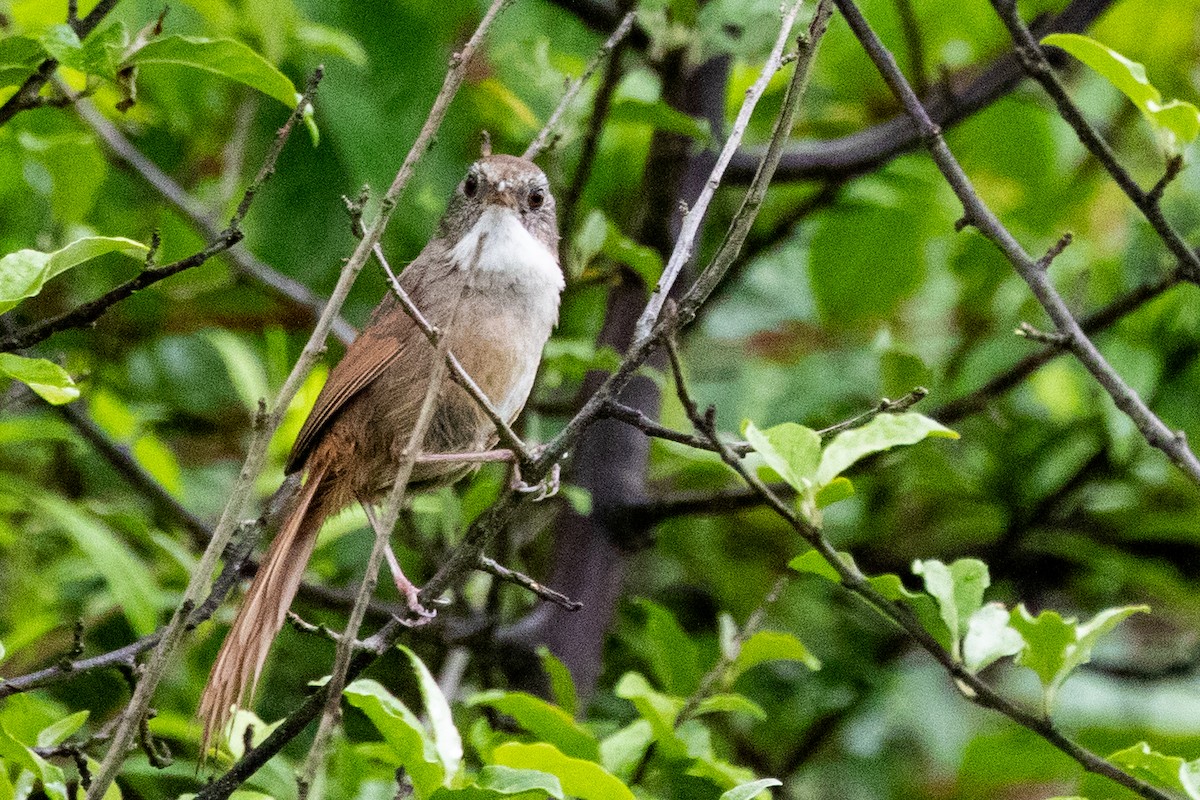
(866, 150)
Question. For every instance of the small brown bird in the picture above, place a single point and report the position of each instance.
(349, 449)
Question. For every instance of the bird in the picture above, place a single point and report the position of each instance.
(492, 275)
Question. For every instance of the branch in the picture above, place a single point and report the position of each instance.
(122, 151)
(1097, 321)
(976, 213)
(498, 570)
(868, 149)
(27, 96)
(543, 139)
(465, 557)
(518, 451)
(1035, 64)
(692, 220)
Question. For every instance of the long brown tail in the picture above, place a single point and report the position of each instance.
(240, 662)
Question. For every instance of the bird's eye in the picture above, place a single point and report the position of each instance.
(471, 186)
(536, 198)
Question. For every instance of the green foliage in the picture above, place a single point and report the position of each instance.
(1176, 123)
(1055, 647)
(1171, 772)
(796, 455)
(50, 381)
(25, 272)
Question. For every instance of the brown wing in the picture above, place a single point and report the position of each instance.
(388, 335)
(366, 358)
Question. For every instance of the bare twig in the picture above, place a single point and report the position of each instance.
(382, 526)
(123, 151)
(493, 567)
(695, 215)
(540, 142)
(457, 372)
(1172, 443)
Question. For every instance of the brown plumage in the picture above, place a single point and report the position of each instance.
(350, 447)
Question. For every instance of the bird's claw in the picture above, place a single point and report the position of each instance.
(542, 490)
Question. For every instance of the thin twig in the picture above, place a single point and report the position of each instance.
(122, 150)
(1034, 62)
(1173, 444)
(383, 526)
(690, 229)
(493, 567)
(458, 373)
(540, 141)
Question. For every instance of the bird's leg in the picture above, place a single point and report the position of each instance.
(407, 589)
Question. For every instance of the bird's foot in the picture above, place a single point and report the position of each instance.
(542, 490)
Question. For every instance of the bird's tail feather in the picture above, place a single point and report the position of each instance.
(239, 665)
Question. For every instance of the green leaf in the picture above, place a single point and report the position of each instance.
(838, 489)
(882, 433)
(585, 780)
(598, 235)
(548, 723)
(1176, 123)
(765, 646)
(561, 683)
(446, 739)
(246, 371)
(671, 652)
(1055, 647)
(59, 731)
(62, 43)
(225, 57)
(23, 273)
(730, 702)
(791, 450)
(989, 637)
(958, 590)
(19, 57)
(749, 790)
(1169, 771)
(317, 38)
(621, 752)
(507, 780)
(47, 379)
(54, 782)
(403, 732)
(658, 709)
(132, 586)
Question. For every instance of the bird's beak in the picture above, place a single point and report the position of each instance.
(503, 195)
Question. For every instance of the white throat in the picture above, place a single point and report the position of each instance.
(510, 254)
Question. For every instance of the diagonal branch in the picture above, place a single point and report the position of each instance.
(976, 213)
(122, 151)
